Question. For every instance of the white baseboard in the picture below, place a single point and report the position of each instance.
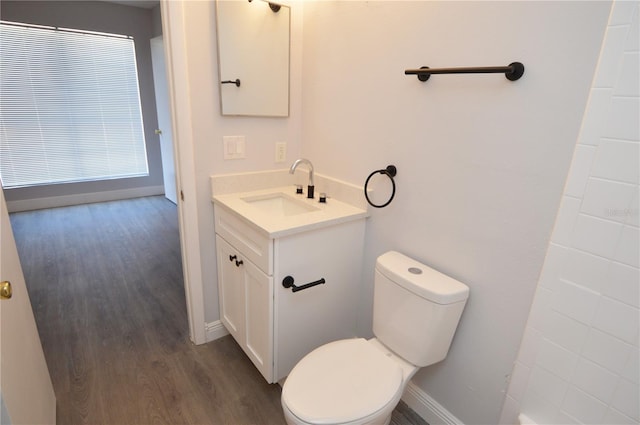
(214, 330)
(84, 198)
(427, 408)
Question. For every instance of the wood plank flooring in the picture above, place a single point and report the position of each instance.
(105, 282)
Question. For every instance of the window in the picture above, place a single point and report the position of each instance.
(69, 107)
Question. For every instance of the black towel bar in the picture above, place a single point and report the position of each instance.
(512, 72)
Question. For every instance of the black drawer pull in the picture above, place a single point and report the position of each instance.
(239, 262)
(287, 282)
(232, 257)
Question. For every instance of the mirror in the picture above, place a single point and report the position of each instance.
(253, 57)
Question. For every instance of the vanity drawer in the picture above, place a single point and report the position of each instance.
(253, 245)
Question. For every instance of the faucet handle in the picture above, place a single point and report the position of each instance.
(299, 189)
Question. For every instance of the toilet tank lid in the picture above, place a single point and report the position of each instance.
(420, 279)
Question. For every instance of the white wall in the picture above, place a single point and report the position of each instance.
(481, 160)
(208, 126)
(578, 362)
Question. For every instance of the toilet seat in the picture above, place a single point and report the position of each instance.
(342, 382)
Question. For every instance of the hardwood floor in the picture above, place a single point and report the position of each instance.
(105, 282)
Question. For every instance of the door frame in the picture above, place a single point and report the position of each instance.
(183, 148)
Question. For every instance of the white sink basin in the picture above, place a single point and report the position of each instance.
(279, 204)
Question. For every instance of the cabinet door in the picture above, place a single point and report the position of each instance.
(311, 317)
(259, 318)
(231, 290)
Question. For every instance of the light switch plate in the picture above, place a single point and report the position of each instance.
(234, 147)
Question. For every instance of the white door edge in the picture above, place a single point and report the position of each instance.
(173, 32)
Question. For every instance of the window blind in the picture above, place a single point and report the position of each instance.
(69, 107)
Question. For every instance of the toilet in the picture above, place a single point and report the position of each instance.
(416, 311)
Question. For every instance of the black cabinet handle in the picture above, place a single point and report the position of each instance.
(239, 263)
(232, 257)
(287, 282)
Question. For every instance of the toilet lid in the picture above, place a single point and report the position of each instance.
(341, 382)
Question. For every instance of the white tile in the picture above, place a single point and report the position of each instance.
(617, 319)
(565, 419)
(556, 359)
(553, 264)
(606, 350)
(540, 308)
(633, 36)
(613, 417)
(622, 12)
(529, 347)
(575, 301)
(518, 381)
(565, 331)
(626, 399)
(585, 269)
(585, 408)
(595, 116)
(629, 83)
(609, 62)
(538, 409)
(579, 172)
(623, 122)
(633, 214)
(623, 284)
(549, 386)
(565, 220)
(631, 370)
(617, 160)
(628, 249)
(608, 199)
(595, 380)
(596, 235)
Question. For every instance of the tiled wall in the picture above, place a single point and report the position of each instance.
(578, 362)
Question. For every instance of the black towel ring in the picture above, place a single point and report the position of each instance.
(391, 172)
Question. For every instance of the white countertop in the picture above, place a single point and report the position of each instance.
(277, 225)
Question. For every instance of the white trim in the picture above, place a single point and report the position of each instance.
(427, 408)
(215, 330)
(82, 198)
(173, 29)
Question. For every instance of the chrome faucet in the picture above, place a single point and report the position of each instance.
(297, 162)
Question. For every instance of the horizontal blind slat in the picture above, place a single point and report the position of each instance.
(70, 107)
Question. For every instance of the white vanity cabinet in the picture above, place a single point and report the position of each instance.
(245, 309)
(274, 325)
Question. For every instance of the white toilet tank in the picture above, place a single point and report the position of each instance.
(416, 309)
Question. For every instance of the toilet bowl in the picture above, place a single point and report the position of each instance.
(358, 381)
(351, 381)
